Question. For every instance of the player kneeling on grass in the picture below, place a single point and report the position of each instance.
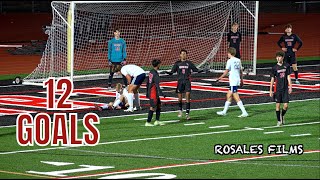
(153, 93)
(282, 89)
(234, 69)
(121, 101)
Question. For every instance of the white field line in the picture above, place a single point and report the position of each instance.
(273, 132)
(192, 124)
(140, 119)
(283, 165)
(222, 126)
(183, 165)
(154, 138)
(210, 108)
(298, 135)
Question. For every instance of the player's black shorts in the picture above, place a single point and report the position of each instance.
(154, 102)
(114, 66)
(281, 96)
(290, 59)
(183, 86)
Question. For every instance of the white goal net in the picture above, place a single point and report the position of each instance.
(78, 41)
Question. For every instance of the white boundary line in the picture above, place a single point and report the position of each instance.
(183, 165)
(298, 135)
(222, 126)
(272, 132)
(192, 124)
(157, 138)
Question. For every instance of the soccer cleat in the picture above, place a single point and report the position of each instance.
(221, 113)
(187, 117)
(179, 114)
(297, 82)
(243, 115)
(129, 110)
(137, 109)
(279, 123)
(159, 123)
(98, 107)
(148, 124)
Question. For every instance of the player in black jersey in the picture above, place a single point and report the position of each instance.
(234, 39)
(289, 39)
(282, 88)
(153, 93)
(184, 68)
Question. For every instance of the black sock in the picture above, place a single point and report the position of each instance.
(110, 79)
(296, 74)
(188, 108)
(283, 112)
(180, 105)
(278, 116)
(150, 114)
(125, 82)
(158, 114)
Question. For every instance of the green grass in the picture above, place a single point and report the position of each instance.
(166, 145)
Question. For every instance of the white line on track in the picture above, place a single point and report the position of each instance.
(192, 124)
(272, 132)
(313, 65)
(215, 127)
(155, 138)
(298, 135)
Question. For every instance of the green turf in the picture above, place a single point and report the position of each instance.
(167, 145)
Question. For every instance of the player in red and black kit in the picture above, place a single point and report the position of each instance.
(153, 93)
(184, 68)
(289, 39)
(281, 76)
(234, 39)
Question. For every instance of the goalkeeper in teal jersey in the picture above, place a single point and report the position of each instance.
(117, 54)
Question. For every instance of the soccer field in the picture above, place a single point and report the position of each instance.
(180, 149)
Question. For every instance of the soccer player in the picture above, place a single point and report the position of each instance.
(281, 75)
(153, 93)
(234, 69)
(117, 54)
(234, 39)
(135, 76)
(184, 68)
(121, 101)
(289, 39)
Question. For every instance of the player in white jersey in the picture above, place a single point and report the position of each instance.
(135, 76)
(234, 69)
(121, 101)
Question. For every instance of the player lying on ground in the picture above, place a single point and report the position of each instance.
(121, 101)
(234, 69)
(153, 93)
(281, 75)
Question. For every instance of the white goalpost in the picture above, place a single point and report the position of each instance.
(80, 30)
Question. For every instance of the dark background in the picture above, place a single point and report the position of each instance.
(265, 6)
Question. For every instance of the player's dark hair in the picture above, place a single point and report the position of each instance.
(183, 50)
(116, 29)
(288, 26)
(232, 51)
(156, 62)
(280, 53)
(117, 68)
(235, 24)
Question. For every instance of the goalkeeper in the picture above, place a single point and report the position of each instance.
(117, 54)
(184, 68)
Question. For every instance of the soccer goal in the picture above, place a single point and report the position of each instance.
(77, 42)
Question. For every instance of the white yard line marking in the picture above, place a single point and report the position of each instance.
(258, 129)
(171, 121)
(153, 138)
(272, 132)
(284, 165)
(183, 165)
(298, 135)
(192, 124)
(214, 127)
(140, 119)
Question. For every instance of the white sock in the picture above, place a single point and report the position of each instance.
(105, 106)
(137, 100)
(242, 107)
(116, 103)
(130, 100)
(226, 106)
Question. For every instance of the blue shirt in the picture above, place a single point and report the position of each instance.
(117, 50)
